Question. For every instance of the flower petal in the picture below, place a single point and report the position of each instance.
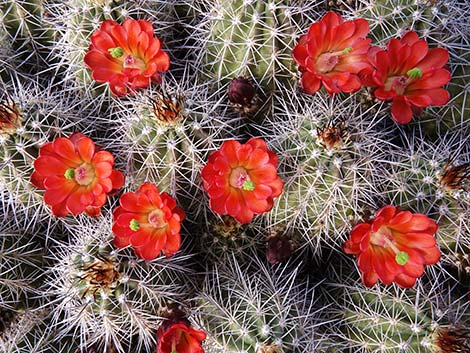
(401, 110)
(310, 83)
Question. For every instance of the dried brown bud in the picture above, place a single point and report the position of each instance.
(242, 94)
(10, 116)
(331, 136)
(455, 177)
(270, 348)
(101, 275)
(167, 109)
(453, 340)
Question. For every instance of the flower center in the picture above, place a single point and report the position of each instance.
(384, 238)
(326, 62)
(398, 83)
(414, 73)
(116, 52)
(132, 62)
(240, 179)
(83, 174)
(134, 225)
(157, 219)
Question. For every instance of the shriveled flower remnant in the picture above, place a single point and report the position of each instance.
(241, 179)
(333, 53)
(179, 337)
(149, 221)
(10, 117)
(76, 175)
(410, 75)
(127, 56)
(394, 247)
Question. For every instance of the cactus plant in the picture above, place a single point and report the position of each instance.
(330, 155)
(65, 287)
(392, 18)
(432, 178)
(20, 266)
(24, 25)
(253, 308)
(250, 39)
(21, 273)
(166, 134)
(426, 319)
(30, 115)
(221, 237)
(108, 297)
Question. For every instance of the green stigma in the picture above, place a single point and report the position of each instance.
(414, 73)
(174, 352)
(347, 50)
(248, 185)
(116, 52)
(402, 258)
(69, 173)
(134, 225)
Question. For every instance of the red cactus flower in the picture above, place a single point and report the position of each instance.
(149, 221)
(410, 75)
(180, 338)
(394, 247)
(242, 180)
(333, 52)
(126, 56)
(76, 175)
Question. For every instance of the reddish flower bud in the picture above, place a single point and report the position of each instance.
(279, 248)
(242, 94)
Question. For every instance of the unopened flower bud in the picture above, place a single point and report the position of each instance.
(241, 91)
(279, 248)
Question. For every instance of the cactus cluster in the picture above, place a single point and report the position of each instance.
(107, 297)
(31, 113)
(187, 176)
(431, 317)
(248, 308)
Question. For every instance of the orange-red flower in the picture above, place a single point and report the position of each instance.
(242, 180)
(76, 175)
(394, 247)
(126, 56)
(333, 52)
(180, 338)
(410, 75)
(149, 221)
